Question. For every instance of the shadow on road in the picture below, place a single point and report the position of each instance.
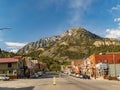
(25, 88)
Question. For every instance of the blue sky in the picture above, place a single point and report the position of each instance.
(31, 20)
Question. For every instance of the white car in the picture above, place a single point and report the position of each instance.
(40, 73)
(4, 77)
(77, 75)
(118, 77)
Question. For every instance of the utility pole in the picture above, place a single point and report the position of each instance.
(114, 64)
(0, 50)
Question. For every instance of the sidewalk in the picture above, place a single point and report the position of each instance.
(101, 79)
(97, 79)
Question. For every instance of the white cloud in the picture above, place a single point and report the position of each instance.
(117, 20)
(48, 3)
(77, 7)
(117, 7)
(14, 46)
(14, 50)
(75, 18)
(77, 4)
(113, 33)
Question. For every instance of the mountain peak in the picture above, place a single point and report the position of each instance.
(71, 36)
(79, 33)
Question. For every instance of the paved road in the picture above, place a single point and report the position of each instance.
(64, 83)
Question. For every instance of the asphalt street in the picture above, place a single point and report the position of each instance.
(62, 83)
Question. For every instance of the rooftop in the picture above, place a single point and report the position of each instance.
(8, 60)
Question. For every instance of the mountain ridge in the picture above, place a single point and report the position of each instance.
(75, 43)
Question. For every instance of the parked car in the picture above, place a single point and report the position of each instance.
(77, 75)
(81, 76)
(118, 77)
(40, 73)
(34, 75)
(84, 76)
(4, 77)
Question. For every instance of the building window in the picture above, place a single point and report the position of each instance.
(10, 71)
(105, 61)
(9, 65)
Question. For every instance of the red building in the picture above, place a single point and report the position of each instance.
(110, 59)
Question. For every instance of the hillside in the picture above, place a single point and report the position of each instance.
(75, 43)
(5, 54)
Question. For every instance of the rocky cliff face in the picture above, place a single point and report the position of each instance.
(75, 43)
(106, 42)
(40, 44)
(71, 36)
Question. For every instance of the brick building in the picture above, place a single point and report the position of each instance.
(76, 64)
(112, 61)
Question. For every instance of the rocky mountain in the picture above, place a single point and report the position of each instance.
(40, 44)
(75, 43)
